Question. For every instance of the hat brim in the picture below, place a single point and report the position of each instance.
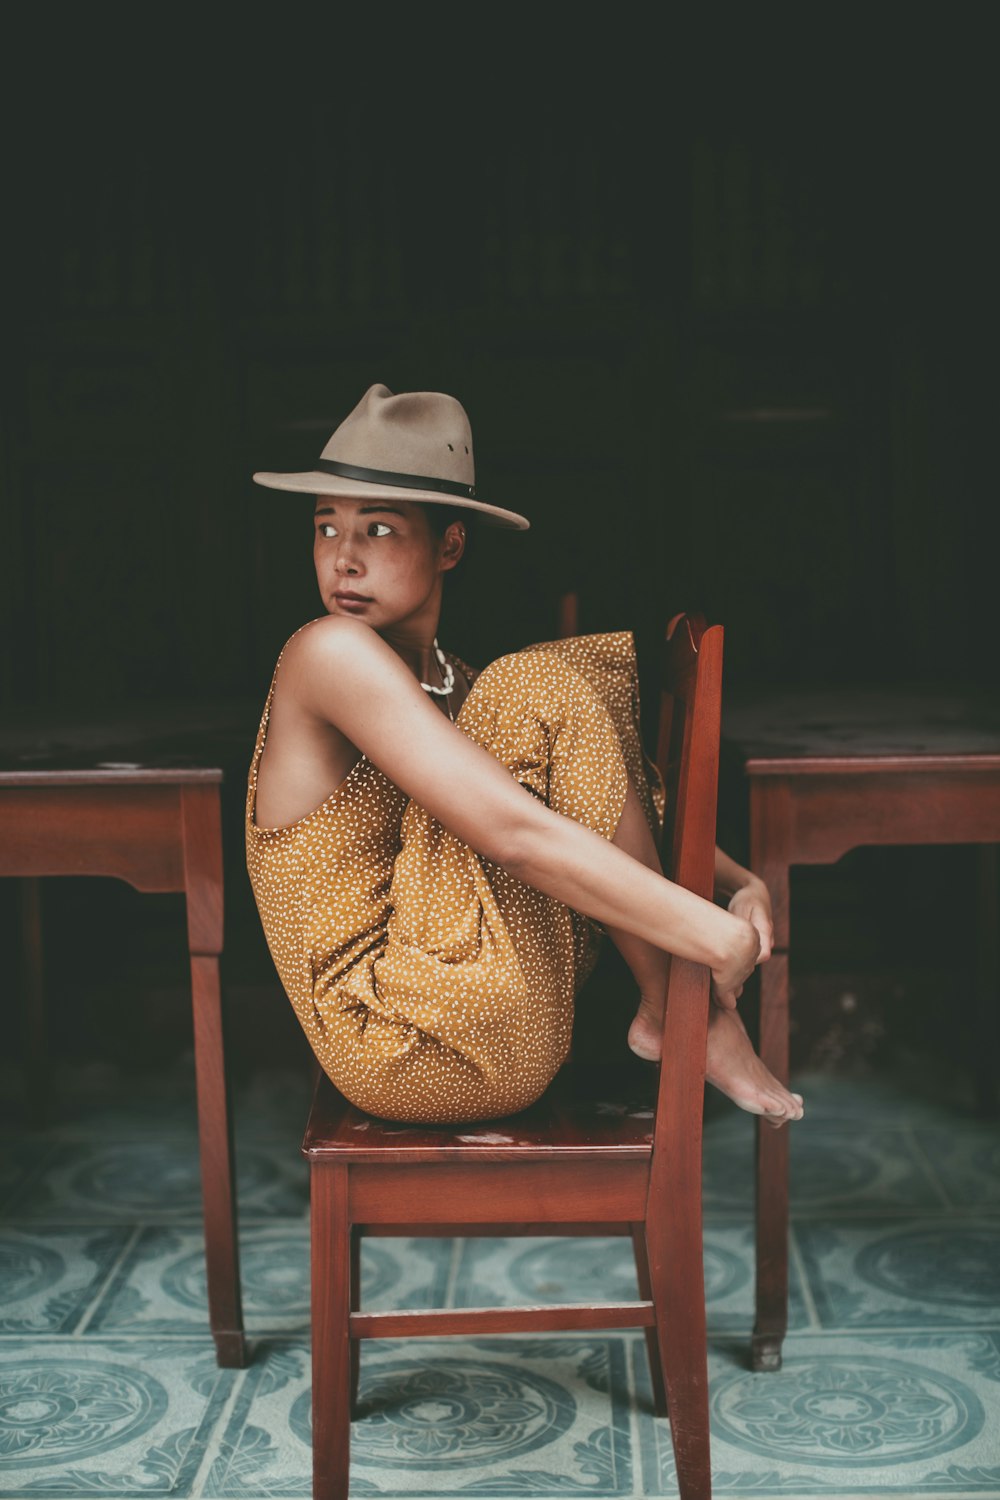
(314, 482)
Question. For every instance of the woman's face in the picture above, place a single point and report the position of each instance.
(380, 561)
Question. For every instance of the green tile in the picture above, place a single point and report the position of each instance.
(156, 1179)
(107, 1417)
(49, 1275)
(966, 1162)
(504, 1272)
(851, 1414)
(160, 1286)
(920, 1273)
(506, 1416)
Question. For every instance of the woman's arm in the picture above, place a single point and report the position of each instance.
(343, 673)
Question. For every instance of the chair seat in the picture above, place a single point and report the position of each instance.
(586, 1110)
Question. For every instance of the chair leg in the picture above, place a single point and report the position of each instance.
(355, 1307)
(678, 1280)
(331, 1351)
(652, 1338)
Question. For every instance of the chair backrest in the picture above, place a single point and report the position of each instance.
(688, 759)
(687, 749)
(687, 756)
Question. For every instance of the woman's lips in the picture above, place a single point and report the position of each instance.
(352, 601)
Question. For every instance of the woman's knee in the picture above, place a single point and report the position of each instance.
(531, 676)
(539, 715)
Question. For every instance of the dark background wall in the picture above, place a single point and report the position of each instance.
(711, 293)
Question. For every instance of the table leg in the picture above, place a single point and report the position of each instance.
(34, 1032)
(203, 887)
(987, 998)
(772, 1177)
(770, 815)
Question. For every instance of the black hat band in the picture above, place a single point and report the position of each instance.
(399, 481)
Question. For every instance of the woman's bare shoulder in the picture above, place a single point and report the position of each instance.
(328, 658)
(331, 644)
(331, 633)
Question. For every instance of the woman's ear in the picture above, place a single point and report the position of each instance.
(453, 544)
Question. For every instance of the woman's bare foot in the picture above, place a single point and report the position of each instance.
(731, 1064)
(645, 1035)
(734, 1067)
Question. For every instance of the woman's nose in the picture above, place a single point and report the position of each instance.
(347, 561)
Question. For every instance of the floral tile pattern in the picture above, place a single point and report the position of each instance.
(160, 1286)
(20, 1160)
(109, 1387)
(967, 1164)
(832, 1169)
(49, 1276)
(106, 1417)
(505, 1416)
(852, 1415)
(505, 1272)
(156, 1180)
(919, 1273)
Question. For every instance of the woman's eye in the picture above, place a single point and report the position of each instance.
(376, 528)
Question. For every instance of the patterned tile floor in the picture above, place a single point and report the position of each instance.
(108, 1385)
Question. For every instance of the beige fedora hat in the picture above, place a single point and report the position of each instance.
(415, 446)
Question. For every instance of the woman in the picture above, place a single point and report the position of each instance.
(434, 914)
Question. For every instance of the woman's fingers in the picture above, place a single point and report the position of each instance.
(753, 904)
(765, 931)
(726, 996)
(760, 920)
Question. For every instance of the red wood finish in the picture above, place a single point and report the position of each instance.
(568, 615)
(811, 807)
(654, 1354)
(34, 1030)
(160, 830)
(331, 1348)
(355, 1307)
(544, 1319)
(595, 1155)
(506, 1231)
(82, 828)
(446, 1193)
(987, 1027)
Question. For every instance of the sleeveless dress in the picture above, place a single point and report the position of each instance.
(431, 984)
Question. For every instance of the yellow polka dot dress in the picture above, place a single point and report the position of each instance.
(432, 985)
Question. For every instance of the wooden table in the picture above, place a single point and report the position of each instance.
(131, 797)
(830, 771)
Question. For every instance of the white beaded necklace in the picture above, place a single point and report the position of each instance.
(448, 674)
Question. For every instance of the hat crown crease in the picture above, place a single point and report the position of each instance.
(418, 432)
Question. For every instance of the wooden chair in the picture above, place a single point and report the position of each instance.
(569, 1168)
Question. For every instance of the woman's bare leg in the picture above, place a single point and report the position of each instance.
(731, 1063)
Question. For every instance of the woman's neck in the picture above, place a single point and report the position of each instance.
(417, 651)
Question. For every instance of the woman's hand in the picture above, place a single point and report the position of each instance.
(729, 978)
(753, 902)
